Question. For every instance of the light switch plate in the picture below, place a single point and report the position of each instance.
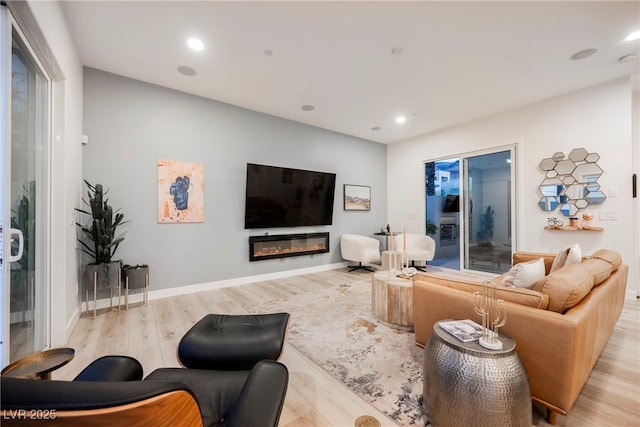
(608, 216)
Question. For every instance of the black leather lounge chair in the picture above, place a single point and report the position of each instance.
(231, 378)
(109, 392)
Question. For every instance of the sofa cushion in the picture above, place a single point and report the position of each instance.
(566, 286)
(525, 274)
(612, 257)
(572, 254)
(599, 268)
(526, 297)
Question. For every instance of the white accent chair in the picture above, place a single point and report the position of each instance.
(420, 247)
(360, 249)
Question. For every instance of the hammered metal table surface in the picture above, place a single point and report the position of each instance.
(466, 384)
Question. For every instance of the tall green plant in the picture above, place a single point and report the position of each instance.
(101, 231)
(487, 222)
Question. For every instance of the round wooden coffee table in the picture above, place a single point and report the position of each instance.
(39, 364)
(392, 300)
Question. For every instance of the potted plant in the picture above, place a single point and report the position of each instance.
(431, 228)
(487, 222)
(102, 239)
(135, 277)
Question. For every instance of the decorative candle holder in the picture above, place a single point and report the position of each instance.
(393, 261)
(404, 259)
(493, 313)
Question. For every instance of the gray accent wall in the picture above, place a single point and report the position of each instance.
(131, 124)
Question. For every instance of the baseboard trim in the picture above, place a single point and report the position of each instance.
(73, 321)
(202, 287)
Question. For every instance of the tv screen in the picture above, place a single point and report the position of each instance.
(451, 203)
(285, 197)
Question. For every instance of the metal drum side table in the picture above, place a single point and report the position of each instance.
(466, 384)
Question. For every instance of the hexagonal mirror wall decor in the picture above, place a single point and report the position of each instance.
(547, 164)
(571, 182)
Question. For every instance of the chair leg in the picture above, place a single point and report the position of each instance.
(418, 267)
(360, 267)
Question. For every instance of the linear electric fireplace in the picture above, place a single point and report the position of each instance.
(286, 245)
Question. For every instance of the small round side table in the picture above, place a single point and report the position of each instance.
(467, 384)
(39, 365)
(392, 300)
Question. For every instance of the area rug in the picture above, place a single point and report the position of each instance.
(336, 330)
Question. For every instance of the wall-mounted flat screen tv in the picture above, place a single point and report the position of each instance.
(286, 197)
(451, 203)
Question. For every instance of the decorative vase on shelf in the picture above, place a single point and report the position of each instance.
(587, 217)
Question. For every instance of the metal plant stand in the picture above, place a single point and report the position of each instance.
(466, 384)
(94, 288)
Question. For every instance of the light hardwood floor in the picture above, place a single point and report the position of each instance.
(151, 334)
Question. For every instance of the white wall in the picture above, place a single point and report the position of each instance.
(597, 119)
(66, 168)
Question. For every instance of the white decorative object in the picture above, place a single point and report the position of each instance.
(393, 261)
(493, 313)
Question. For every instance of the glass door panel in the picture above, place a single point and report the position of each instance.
(487, 212)
(28, 308)
(442, 179)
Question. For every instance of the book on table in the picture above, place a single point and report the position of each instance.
(465, 330)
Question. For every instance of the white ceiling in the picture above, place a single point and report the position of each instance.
(463, 60)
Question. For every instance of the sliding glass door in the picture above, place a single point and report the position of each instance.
(469, 210)
(24, 190)
(488, 208)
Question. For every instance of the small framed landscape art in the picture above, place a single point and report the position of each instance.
(180, 192)
(357, 197)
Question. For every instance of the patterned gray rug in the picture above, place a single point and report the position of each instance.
(336, 330)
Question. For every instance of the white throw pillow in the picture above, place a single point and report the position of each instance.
(525, 274)
(570, 255)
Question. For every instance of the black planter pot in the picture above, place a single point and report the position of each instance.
(105, 275)
(135, 278)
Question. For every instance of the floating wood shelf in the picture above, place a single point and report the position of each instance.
(572, 228)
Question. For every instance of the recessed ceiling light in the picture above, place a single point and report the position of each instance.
(399, 50)
(401, 119)
(308, 107)
(195, 44)
(583, 54)
(376, 128)
(633, 36)
(627, 58)
(187, 71)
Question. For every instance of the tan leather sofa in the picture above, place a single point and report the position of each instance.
(558, 342)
